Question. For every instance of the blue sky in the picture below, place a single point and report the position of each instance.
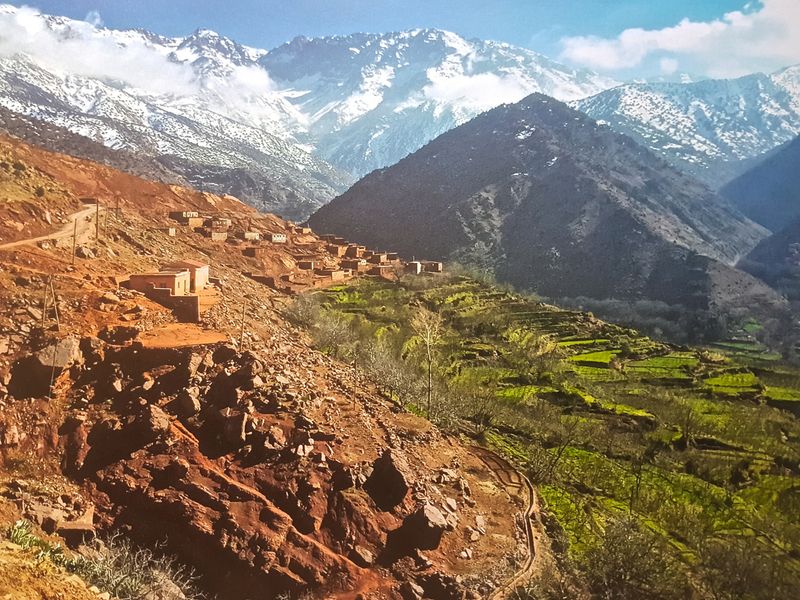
(588, 33)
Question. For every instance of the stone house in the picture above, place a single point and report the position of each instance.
(198, 272)
(177, 282)
(277, 238)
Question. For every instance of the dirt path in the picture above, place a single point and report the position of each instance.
(82, 217)
(516, 481)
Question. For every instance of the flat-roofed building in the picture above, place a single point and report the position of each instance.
(432, 266)
(177, 282)
(182, 215)
(198, 272)
(277, 238)
(414, 267)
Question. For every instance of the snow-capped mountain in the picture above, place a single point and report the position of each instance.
(278, 118)
(372, 99)
(200, 104)
(710, 128)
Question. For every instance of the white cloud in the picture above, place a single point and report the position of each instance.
(479, 92)
(93, 17)
(668, 65)
(78, 48)
(763, 37)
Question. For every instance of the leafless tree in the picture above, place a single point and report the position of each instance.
(428, 326)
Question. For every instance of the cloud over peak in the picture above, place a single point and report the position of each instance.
(763, 36)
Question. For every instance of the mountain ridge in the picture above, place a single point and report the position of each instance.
(706, 127)
(544, 197)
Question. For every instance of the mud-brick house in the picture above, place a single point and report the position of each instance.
(277, 238)
(432, 266)
(190, 218)
(336, 249)
(198, 272)
(378, 258)
(305, 265)
(333, 274)
(381, 270)
(251, 236)
(177, 282)
(256, 251)
(355, 264)
(218, 236)
(414, 267)
(182, 215)
(355, 251)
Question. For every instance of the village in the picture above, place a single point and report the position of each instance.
(187, 287)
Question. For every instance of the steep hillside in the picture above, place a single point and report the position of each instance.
(230, 444)
(708, 128)
(60, 139)
(198, 137)
(545, 198)
(776, 260)
(769, 193)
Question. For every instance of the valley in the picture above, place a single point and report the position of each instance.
(330, 302)
(693, 444)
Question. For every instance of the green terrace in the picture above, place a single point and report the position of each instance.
(692, 442)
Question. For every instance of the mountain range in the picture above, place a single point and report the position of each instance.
(714, 128)
(769, 193)
(545, 198)
(287, 129)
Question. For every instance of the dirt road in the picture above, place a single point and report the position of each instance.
(83, 217)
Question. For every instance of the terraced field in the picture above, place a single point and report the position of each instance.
(700, 445)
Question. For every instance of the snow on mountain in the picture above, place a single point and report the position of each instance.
(357, 102)
(371, 99)
(709, 127)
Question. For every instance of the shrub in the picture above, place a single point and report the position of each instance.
(117, 566)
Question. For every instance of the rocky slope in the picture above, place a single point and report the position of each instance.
(776, 260)
(710, 128)
(769, 193)
(545, 198)
(233, 442)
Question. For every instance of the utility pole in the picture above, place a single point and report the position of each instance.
(241, 331)
(44, 301)
(50, 287)
(97, 220)
(74, 238)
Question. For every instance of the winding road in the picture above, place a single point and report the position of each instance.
(512, 479)
(83, 217)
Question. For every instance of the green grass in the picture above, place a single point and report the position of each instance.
(632, 412)
(599, 357)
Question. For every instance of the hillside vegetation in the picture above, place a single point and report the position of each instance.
(667, 472)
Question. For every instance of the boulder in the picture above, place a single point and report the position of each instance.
(389, 482)
(188, 401)
(362, 556)
(153, 424)
(60, 355)
(421, 530)
(84, 252)
(79, 530)
(234, 430)
(411, 591)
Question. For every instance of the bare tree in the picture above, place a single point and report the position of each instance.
(428, 326)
